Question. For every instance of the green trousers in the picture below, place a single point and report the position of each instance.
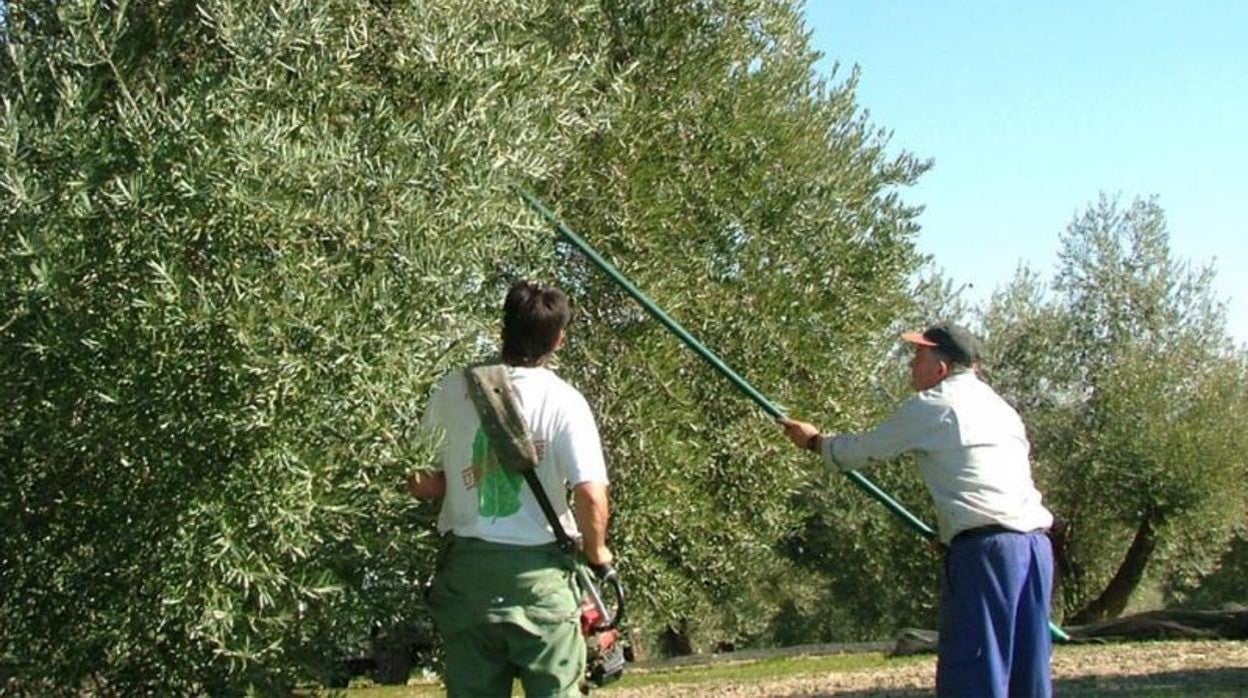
(508, 612)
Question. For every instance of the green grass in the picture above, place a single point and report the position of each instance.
(413, 689)
(744, 671)
(759, 670)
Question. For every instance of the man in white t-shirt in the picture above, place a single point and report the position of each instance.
(504, 595)
(972, 451)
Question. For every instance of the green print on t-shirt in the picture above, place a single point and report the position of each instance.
(498, 490)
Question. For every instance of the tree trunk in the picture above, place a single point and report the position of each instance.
(1064, 567)
(1112, 601)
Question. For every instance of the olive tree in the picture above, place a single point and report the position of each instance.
(759, 206)
(238, 242)
(1129, 383)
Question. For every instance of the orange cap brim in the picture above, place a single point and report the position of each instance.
(917, 338)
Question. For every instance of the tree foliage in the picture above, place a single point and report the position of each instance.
(239, 242)
(758, 206)
(1221, 584)
(1130, 386)
(241, 239)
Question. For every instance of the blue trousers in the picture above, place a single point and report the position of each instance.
(994, 615)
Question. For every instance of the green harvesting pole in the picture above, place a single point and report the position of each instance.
(655, 311)
(650, 306)
(705, 353)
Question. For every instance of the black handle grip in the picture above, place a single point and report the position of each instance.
(610, 576)
(607, 574)
(604, 571)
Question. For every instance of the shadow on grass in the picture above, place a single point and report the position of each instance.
(1198, 682)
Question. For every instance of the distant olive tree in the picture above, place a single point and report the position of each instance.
(1133, 394)
(1223, 583)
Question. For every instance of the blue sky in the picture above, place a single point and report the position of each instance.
(1031, 109)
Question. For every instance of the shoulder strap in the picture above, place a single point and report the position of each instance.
(494, 398)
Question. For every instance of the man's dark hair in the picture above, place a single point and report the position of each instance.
(533, 316)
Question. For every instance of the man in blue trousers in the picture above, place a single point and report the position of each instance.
(972, 452)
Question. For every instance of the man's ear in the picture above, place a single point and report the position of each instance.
(563, 335)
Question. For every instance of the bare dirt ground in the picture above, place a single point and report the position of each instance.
(1161, 668)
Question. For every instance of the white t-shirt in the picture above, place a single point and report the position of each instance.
(483, 500)
(972, 451)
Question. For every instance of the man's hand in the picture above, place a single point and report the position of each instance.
(799, 433)
(427, 485)
(604, 572)
(599, 556)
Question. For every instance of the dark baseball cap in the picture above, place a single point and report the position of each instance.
(954, 341)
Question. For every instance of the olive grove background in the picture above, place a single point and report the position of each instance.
(1134, 394)
(239, 241)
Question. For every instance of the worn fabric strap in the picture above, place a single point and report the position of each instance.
(494, 397)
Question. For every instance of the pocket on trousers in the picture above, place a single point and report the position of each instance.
(959, 640)
(452, 604)
(551, 598)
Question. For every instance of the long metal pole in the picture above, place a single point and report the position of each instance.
(655, 311)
